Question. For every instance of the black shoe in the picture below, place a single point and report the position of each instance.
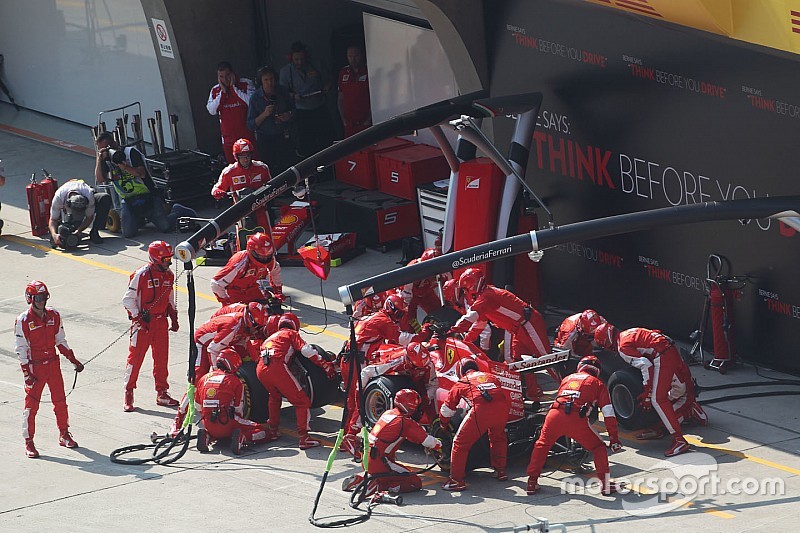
(1, 226)
(95, 237)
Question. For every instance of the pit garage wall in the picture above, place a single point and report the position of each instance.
(640, 115)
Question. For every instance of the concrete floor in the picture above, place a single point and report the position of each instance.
(756, 440)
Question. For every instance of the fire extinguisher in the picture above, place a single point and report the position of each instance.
(40, 196)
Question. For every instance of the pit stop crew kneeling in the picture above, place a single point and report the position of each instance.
(490, 404)
(394, 426)
(277, 354)
(220, 394)
(238, 280)
(569, 415)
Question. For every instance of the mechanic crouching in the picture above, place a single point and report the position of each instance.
(278, 351)
(490, 404)
(395, 426)
(569, 415)
(220, 395)
(667, 380)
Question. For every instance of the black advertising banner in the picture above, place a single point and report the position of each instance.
(638, 115)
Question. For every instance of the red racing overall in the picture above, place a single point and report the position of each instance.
(273, 371)
(150, 291)
(36, 342)
(576, 390)
(487, 414)
(385, 439)
(506, 311)
(219, 395)
(238, 280)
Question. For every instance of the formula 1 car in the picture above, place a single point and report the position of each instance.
(525, 418)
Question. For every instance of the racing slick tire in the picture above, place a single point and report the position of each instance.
(379, 396)
(624, 387)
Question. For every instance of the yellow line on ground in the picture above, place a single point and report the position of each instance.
(742, 455)
(631, 436)
(97, 264)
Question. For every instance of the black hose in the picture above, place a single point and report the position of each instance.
(160, 454)
(753, 395)
(345, 416)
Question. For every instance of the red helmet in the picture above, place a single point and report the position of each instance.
(417, 355)
(395, 307)
(429, 253)
(290, 321)
(472, 282)
(36, 288)
(255, 315)
(606, 335)
(452, 292)
(588, 321)
(229, 360)
(407, 400)
(591, 365)
(242, 146)
(466, 365)
(160, 253)
(260, 248)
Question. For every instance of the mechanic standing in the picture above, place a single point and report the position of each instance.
(667, 380)
(577, 395)
(220, 394)
(238, 280)
(489, 412)
(524, 323)
(277, 354)
(394, 426)
(149, 301)
(244, 174)
(39, 332)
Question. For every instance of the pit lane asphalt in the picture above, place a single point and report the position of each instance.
(274, 485)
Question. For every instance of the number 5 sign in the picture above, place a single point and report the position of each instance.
(162, 38)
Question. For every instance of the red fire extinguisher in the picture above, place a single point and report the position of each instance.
(40, 196)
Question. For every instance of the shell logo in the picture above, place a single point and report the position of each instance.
(288, 219)
(481, 378)
(211, 393)
(573, 385)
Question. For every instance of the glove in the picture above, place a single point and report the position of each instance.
(444, 423)
(144, 317)
(645, 400)
(437, 446)
(173, 323)
(615, 446)
(329, 369)
(27, 372)
(426, 332)
(218, 194)
(70, 355)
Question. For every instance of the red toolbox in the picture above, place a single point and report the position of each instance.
(400, 171)
(379, 218)
(359, 168)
